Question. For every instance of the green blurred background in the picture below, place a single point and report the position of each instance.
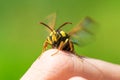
(21, 35)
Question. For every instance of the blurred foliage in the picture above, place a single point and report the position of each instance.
(21, 36)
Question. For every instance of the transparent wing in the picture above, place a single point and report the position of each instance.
(51, 20)
(84, 32)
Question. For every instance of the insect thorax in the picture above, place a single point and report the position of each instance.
(56, 37)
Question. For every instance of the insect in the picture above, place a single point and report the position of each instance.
(80, 35)
(65, 41)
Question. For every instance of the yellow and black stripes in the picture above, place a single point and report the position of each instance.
(59, 39)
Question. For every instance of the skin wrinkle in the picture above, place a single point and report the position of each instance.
(85, 72)
(99, 75)
(75, 65)
(108, 69)
(84, 62)
(99, 70)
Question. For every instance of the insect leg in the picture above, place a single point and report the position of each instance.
(45, 46)
(59, 48)
(62, 44)
(71, 46)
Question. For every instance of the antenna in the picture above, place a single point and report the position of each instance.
(64, 25)
(46, 26)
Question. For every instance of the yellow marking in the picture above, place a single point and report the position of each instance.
(54, 38)
(63, 33)
(54, 32)
(66, 41)
(49, 41)
(51, 33)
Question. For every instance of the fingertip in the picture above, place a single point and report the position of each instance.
(62, 66)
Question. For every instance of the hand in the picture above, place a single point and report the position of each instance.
(64, 65)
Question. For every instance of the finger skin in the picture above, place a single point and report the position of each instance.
(77, 78)
(65, 65)
(109, 71)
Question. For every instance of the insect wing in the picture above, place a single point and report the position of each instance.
(84, 32)
(51, 20)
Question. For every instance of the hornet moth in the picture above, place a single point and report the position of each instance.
(65, 41)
